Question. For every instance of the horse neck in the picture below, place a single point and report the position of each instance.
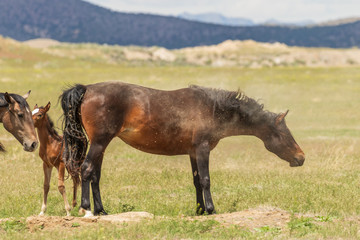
(236, 126)
(44, 132)
(3, 110)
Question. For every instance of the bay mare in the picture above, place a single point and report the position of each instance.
(187, 121)
(15, 115)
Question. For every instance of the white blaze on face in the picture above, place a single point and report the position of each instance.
(35, 111)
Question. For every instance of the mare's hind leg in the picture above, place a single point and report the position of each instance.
(47, 176)
(91, 171)
(61, 187)
(200, 207)
(202, 159)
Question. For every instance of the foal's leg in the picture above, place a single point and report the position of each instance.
(200, 207)
(61, 187)
(202, 158)
(90, 171)
(75, 186)
(47, 176)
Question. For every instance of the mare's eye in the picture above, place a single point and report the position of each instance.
(20, 115)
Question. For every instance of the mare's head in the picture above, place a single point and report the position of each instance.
(278, 139)
(18, 121)
(39, 114)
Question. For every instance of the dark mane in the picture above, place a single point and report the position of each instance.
(19, 99)
(230, 102)
(51, 129)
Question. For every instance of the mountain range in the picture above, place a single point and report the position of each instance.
(217, 18)
(80, 21)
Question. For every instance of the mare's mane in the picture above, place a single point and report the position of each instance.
(227, 103)
(19, 99)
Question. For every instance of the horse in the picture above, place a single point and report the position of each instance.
(51, 149)
(15, 115)
(189, 121)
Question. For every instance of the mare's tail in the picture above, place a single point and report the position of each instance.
(75, 142)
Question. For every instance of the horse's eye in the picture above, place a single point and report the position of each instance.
(39, 116)
(20, 115)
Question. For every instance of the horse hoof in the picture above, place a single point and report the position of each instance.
(41, 214)
(101, 213)
(81, 211)
(86, 213)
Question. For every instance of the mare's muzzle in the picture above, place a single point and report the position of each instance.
(298, 160)
(30, 146)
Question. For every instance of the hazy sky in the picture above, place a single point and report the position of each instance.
(256, 10)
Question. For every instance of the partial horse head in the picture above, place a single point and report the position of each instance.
(18, 121)
(39, 113)
(278, 139)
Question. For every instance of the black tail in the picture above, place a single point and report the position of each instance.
(75, 141)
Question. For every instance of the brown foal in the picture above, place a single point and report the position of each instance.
(51, 148)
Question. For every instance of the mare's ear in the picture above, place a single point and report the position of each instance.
(36, 106)
(47, 107)
(27, 95)
(281, 117)
(9, 99)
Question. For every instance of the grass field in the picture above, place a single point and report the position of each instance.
(322, 196)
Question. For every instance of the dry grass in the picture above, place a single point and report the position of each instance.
(324, 119)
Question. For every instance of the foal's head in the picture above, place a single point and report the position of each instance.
(39, 114)
(18, 121)
(279, 140)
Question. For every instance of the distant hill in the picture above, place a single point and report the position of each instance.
(79, 21)
(217, 18)
(339, 21)
(274, 22)
(40, 53)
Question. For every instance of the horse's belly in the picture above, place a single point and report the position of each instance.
(157, 144)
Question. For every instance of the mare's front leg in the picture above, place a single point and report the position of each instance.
(202, 159)
(61, 187)
(47, 176)
(91, 172)
(200, 206)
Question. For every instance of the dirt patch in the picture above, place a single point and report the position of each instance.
(251, 219)
(55, 222)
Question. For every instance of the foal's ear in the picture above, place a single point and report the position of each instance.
(281, 117)
(27, 95)
(47, 107)
(36, 106)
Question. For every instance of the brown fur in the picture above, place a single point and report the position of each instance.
(16, 118)
(185, 121)
(51, 149)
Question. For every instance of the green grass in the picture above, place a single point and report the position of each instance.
(324, 118)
